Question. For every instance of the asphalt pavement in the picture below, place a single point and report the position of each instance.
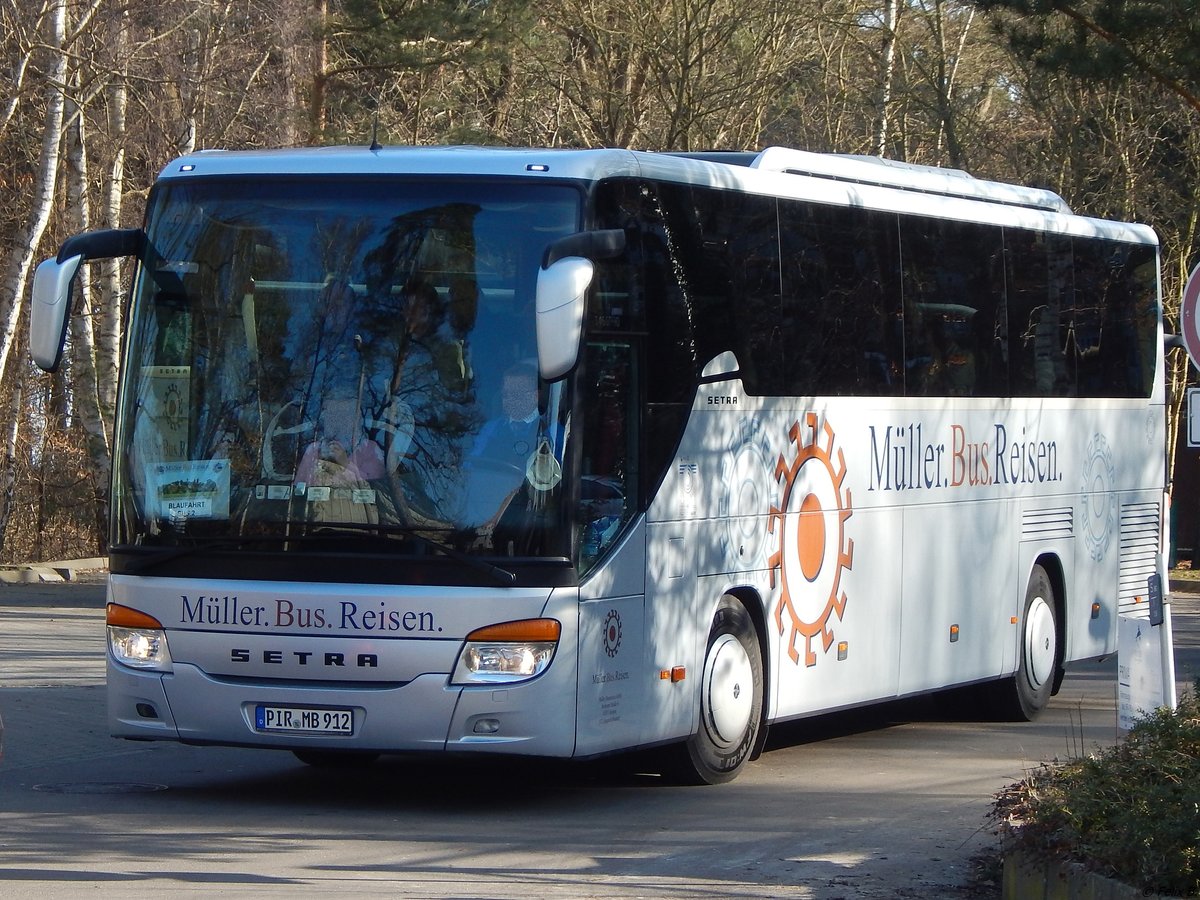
(880, 803)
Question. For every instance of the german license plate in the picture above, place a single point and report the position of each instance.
(310, 720)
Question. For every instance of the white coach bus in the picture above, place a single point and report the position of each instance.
(571, 452)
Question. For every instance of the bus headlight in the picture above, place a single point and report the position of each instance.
(136, 639)
(507, 653)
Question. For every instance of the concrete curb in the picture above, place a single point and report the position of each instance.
(37, 573)
(1029, 877)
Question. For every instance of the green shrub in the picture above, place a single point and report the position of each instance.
(1131, 812)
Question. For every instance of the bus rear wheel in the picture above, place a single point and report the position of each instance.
(1026, 694)
(731, 701)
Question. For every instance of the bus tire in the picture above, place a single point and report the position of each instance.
(731, 701)
(1026, 694)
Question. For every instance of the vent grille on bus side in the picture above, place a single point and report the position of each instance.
(1139, 556)
(1046, 524)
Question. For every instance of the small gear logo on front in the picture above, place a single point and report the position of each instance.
(612, 632)
(813, 549)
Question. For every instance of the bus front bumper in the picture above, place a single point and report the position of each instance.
(426, 714)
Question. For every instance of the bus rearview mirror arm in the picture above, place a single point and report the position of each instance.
(607, 243)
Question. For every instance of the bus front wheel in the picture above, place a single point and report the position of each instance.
(1026, 694)
(731, 701)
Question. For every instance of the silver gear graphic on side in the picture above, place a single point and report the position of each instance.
(1097, 503)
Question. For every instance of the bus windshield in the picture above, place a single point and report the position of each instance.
(310, 357)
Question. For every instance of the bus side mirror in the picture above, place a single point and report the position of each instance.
(50, 306)
(49, 310)
(561, 298)
(566, 273)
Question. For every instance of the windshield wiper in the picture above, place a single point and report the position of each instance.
(323, 532)
(164, 554)
(503, 576)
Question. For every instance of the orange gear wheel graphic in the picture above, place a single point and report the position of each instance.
(813, 549)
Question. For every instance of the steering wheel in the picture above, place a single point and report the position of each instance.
(493, 485)
(277, 430)
(399, 424)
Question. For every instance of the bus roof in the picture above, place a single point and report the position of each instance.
(823, 177)
(874, 170)
(461, 160)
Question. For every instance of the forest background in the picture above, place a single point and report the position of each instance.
(1094, 99)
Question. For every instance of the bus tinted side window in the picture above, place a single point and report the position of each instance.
(1040, 290)
(814, 300)
(954, 321)
(1081, 315)
(841, 308)
(1115, 324)
(641, 295)
(725, 251)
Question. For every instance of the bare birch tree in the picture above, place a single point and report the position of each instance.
(108, 321)
(18, 260)
(22, 32)
(887, 75)
(84, 384)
